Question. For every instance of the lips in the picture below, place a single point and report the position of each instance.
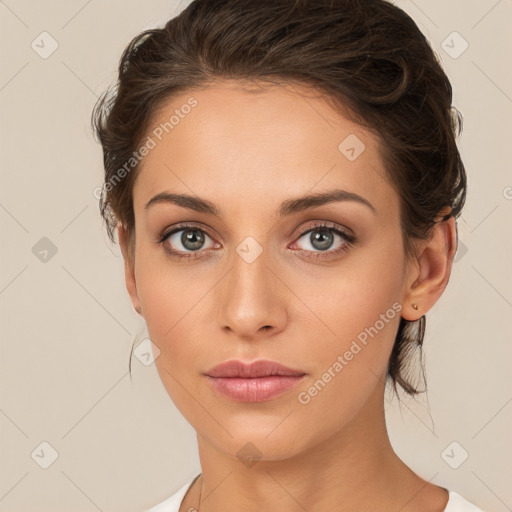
(261, 368)
(253, 382)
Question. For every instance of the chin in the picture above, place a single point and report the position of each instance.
(258, 438)
(252, 447)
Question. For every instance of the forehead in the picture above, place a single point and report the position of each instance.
(263, 145)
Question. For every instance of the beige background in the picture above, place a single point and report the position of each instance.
(67, 325)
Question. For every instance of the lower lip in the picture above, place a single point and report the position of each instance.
(254, 390)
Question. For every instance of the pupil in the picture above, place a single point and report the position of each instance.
(321, 240)
(192, 239)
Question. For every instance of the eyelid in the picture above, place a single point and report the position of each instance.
(166, 233)
(328, 225)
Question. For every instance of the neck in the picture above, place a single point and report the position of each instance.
(355, 469)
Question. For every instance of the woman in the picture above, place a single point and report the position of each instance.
(284, 181)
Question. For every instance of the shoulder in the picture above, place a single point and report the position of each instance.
(172, 503)
(456, 503)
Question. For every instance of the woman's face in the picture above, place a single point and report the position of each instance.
(256, 278)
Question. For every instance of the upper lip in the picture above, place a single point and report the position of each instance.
(261, 368)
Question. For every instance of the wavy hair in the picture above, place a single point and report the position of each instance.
(367, 57)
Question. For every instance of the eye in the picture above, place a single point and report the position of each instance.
(184, 241)
(188, 241)
(321, 237)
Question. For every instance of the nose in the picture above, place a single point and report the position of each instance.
(253, 299)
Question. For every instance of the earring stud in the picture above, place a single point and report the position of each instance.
(415, 306)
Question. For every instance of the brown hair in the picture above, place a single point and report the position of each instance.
(368, 57)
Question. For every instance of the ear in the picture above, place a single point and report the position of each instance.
(127, 249)
(432, 270)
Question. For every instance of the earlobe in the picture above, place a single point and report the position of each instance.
(432, 273)
(129, 267)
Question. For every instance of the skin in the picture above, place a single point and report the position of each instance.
(246, 152)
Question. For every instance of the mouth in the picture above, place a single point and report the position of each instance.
(253, 382)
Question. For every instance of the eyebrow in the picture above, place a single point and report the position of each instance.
(288, 207)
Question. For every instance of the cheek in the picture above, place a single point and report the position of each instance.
(173, 305)
(350, 341)
(350, 366)
(176, 303)
(349, 300)
(174, 312)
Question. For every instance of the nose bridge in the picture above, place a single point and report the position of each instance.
(250, 267)
(250, 298)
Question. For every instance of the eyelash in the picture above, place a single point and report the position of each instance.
(350, 240)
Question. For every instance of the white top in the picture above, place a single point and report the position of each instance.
(456, 503)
